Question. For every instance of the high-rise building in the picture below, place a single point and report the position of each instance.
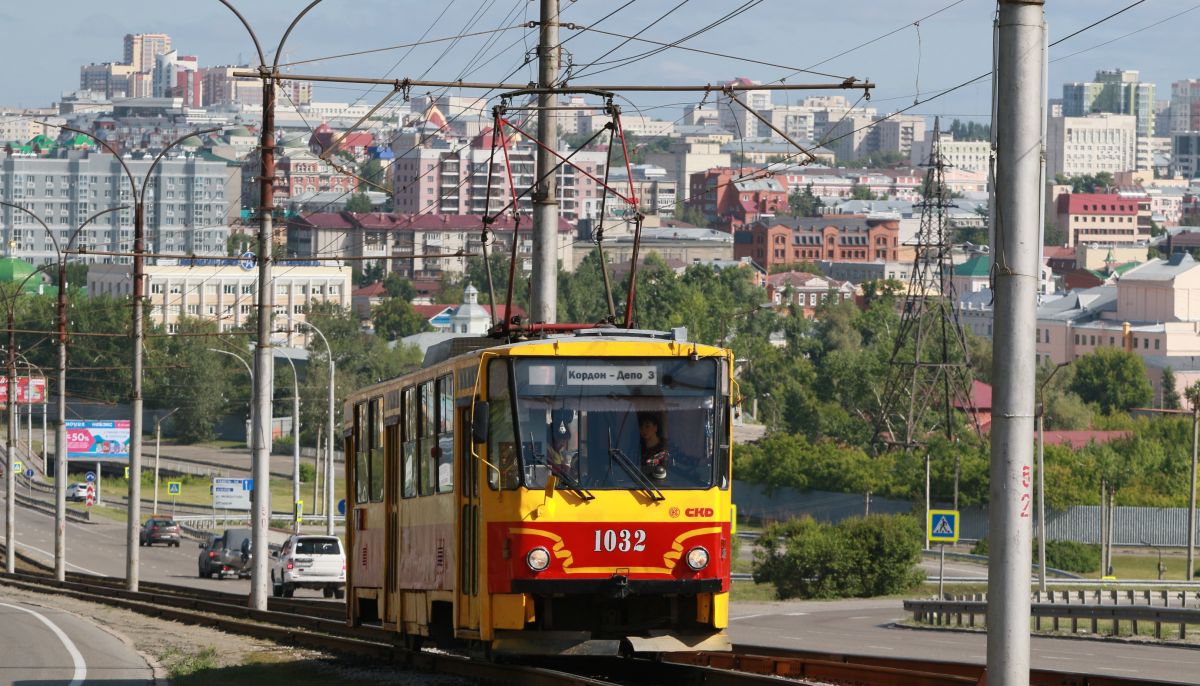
(1185, 106)
(1115, 91)
(110, 79)
(185, 209)
(141, 49)
(1091, 144)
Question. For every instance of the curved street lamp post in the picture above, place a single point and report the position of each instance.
(60, 432)
(329, 441)
(138, 192)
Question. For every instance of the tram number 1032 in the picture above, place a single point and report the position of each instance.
(623, 540)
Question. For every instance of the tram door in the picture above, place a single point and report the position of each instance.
(467, 595)
(391, 499)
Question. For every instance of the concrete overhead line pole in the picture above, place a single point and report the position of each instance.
(1018, 131)
(60, 432)
(263, 360)
(544, 303)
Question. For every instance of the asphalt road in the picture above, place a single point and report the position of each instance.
(853, 626)
(864, 627)
(41, 645)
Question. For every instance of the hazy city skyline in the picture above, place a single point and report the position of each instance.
(950, 47)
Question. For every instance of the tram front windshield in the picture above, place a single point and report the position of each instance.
(626, 423)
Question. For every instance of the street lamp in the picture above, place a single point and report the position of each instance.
(331, 434)
(249, 371)
(1041, 474)
(10, 483)
(133, 522)
(157, 443)
(295, 443)
(60, 432)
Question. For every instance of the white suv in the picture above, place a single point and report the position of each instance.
(309, 562)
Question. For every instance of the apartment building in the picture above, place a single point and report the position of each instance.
(1153, 311)
(1116, 91)
(689, 155)
(787, 240)
(1104, 217)
(185, 207)
(1185, 107)
(454, 177)
(1091, 144)
(968, 156)
(806, 292)
(415, 246)
(225, 291)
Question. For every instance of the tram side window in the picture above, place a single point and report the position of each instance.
(408, 486)
(428, 430)
(376, 455)
(445, 437)
(502, 447)
(362, 492)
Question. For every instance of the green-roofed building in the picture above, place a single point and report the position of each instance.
(16, 271)
(42, 142)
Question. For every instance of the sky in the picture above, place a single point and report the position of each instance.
(911, 50)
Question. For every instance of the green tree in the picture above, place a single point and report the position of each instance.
(369, 274)
(395, 318)
(1170, 395)
(970, 131)
(1052, 235)
(1113, 379)
(184, 374)
(238, 243)
(359, 203)
(399, 287)
(690, 214)
(861, 193)
(804, 203)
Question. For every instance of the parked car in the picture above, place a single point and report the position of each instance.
(235, 550)
(77, 492)
(159, 531)
(316, 562)
(209, 562)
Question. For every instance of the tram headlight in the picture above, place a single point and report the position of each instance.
(697, 558)
(538, 559)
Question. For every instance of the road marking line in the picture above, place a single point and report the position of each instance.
(795, 614)
(51, 556)
(862, 617)
(80, 673)
(761, 614)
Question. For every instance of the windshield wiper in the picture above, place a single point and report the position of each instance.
(616, 455)
(561, 475)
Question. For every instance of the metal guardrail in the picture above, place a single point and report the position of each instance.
(952, 612)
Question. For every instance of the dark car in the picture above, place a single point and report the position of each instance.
(159, 531)
(209, 562)
(235, 550)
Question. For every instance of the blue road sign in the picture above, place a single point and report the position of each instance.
(247, 261)
(342, 507)
(173, 487)
(90, 476)
(29, 473)
(942, 526)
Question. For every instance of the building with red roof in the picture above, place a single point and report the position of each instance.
(356, 143)
(1104, 217)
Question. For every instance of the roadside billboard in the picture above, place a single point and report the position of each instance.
(30, 391)
(97, 441)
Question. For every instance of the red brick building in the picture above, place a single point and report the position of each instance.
(787, 240)
(731, 201)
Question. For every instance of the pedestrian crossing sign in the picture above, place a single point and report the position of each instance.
(174, 487)
(942, 526)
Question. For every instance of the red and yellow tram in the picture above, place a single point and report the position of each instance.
(553, 496)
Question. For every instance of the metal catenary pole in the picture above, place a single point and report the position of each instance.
(545, 201)
(1021, 42)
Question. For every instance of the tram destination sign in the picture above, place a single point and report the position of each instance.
(627, 375)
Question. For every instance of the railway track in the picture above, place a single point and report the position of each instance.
(321, 625)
